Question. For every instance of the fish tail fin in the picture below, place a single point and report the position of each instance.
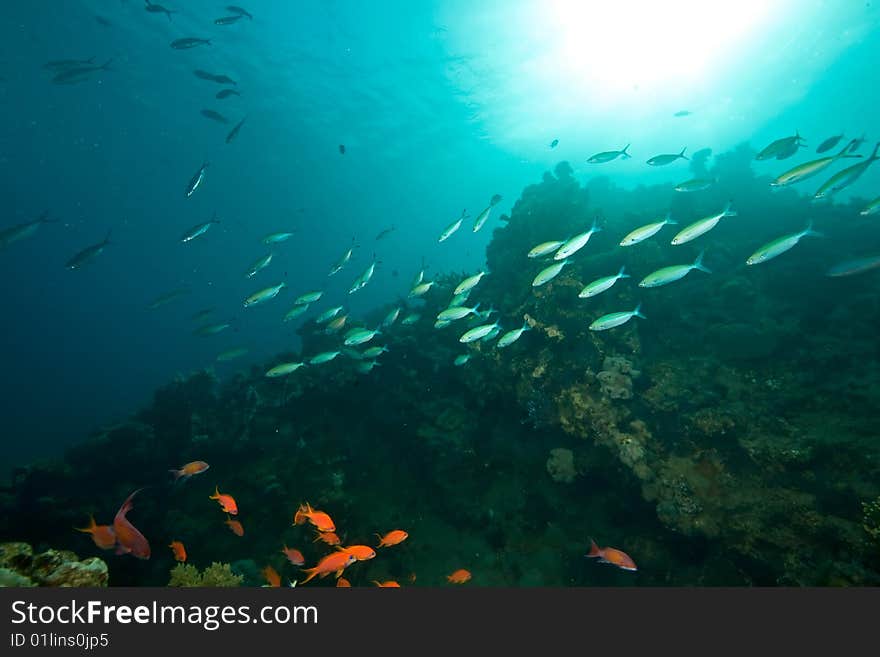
(106, 65)
(638, 311)
(177, 473)
(728, 210)
(623, 152)
(90, 529)
(216, 494)
(809, 232)
(594, 549)
(311, 571)
(622, 273)
(698, 263)
(381, 542)
(682, 155)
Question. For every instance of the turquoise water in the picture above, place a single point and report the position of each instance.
(751, 460)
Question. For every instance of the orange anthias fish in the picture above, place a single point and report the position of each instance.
(293, 555)
(236, 527)
(319, 519)
(611, 555)
(360, 552)
(330, 538)
(393, 537)
(343, 583)
(388, 584)
(335, 562)
(227, 502)
(272, 576)
(178, 549)
(460, 576)
(190, 469)
(103, 535)
(129, 540)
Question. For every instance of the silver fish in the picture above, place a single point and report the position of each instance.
(88, 254)
(196, 180)
(200, 229)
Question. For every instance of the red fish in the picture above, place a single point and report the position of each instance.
(272, 576)
(388, 584)
(335, 562)
(129, 539)
(460, 576)
(611, 555)
(179, 550)
(393, 537)
(227, 502)
(293, 555)
(360, 552)
(330, 538)
(190, 469)
(322, 521)
(236, 527)
(103, 535)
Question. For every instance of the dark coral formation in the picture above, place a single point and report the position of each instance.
(19, 566)
(727, 439)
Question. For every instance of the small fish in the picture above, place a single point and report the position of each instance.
(608, 156)
(308, 297)
(232, 354)
(226, 93)
(336, 324)
(576, 243)
(129, 539)
(456, 312)
(545, 248)
(283, 369)
(512, 336)
(327, 315)
(158, 9)
(178, 550)
(226, 502)
(702, 226)
(200, 229)
(227, 20)
(62, 64)
(672, 273)
(364, 278)
(375, 352)
(829, 143)
(421, 289)
(168, 297)
(554, 143)
(387, 584)
(601, 284)
(360, 552)
(219, 79)
(459, 576)
(482, 218)
(271, 576)
(668, 158)
(367, 367)
(102, 535)
(442, 323)
(275, 238)
(323, 357)
(189, 42)
(809, 169)
(872, 208)
(214, 116)
(459, 299)
(342, 149)
(330, 538)
(258, 265)
(239, 11)
(548, 274)
(695, 185)
(319, 519)
(856, 144)
(343, 260)
(212, 329)
(683, 113)
(79, 73)
(196, 180)
(491, 335)
(358, 336)
(264, 295)
(394, 537)
(234, 132)
(235, 526)
(189, 469)
(781, 245)
(853, 267)
(478, 332)
(88, 254)
(451, 228)
(461, 360)
(293, 555)
(644, 232)
(782, 146)
(843, 179)
(611, 320)
(386, 232)
(391, 317)
(470, 282)
(335, 562)
(201, 314)
(611, 555)
(411, 319)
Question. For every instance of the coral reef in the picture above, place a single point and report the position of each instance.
(560, 465)
(19, 566)
(217, 574)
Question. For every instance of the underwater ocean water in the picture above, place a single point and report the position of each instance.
(446, 293)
